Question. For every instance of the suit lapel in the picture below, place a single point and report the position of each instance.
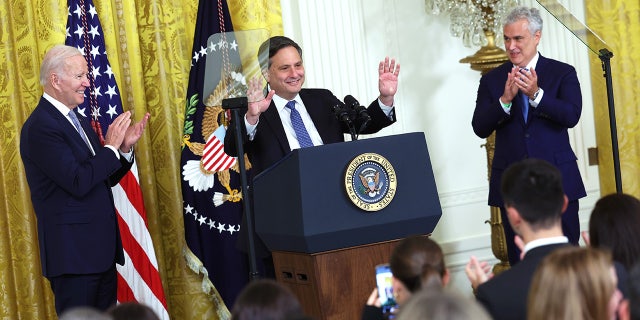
(314, 106)
(541, 70)
(272, 119)
(91, 134)
(63, 123)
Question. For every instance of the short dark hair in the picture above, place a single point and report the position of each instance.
(614, 224)
(269, 48)
(534, 188)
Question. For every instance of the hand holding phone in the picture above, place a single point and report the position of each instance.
(384, 282)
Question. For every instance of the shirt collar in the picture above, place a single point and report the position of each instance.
(533, 62)
(59, 105)
(281, 102)
(543, 242)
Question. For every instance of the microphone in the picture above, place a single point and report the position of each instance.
(339, 110)
(360, 111)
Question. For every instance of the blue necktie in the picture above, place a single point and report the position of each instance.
(525, 102)
(76, 123)
(525, 106)
(298, 126)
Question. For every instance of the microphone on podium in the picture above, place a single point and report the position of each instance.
(361, 113)
(342, 114)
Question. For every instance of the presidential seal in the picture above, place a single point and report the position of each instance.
(370, 182)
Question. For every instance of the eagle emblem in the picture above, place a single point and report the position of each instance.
(370, 181)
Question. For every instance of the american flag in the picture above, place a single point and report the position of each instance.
(212, 197)
(213, 157)
(139, 279)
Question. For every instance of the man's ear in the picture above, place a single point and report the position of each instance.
(514, 216)
(446, 277)
(565, 204)
(265, 74)
(55, 80)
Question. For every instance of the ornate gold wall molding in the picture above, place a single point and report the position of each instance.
(485, 60)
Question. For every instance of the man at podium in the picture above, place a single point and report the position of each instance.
(284, 117)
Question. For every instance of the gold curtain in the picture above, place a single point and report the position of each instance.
(149, 46)
(616, 22)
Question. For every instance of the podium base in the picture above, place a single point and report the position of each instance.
(332, 284)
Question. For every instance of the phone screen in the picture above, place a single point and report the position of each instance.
(385, 290)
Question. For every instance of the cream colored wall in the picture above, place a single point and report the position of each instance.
(343, 41)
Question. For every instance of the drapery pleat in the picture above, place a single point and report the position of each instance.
(615, 22)
(149, 46)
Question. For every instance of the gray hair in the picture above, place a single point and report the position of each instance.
(443, 304)
(55, 60)
(531, 14)
(84, 313)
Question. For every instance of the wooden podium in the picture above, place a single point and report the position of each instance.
(333, 284)
(325, 248)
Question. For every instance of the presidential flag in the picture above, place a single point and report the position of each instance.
(139, 279)
(211, 189)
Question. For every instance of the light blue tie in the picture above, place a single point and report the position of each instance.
(525, 106)
(298, 126)
(76, 123)
(525, 102)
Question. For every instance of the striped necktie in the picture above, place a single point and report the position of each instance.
(81, 132)
(298, 126)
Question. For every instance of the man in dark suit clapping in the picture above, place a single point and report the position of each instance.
(530, 102)
(70, 175)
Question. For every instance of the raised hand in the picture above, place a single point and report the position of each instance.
(134, 133)
(117, 130)
(527, 82)
(374, 299)
(257, 102)
(388, 71)
(510, 86)
(477, 272)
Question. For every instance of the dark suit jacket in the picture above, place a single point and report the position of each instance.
(71, 194)
(544, 136)
(505, 296)
(270, 142)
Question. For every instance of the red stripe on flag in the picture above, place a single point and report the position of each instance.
(141, 262)
(214, 158)
(124, 292)
(131, 187)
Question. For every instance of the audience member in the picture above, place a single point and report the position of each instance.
(132, 311)
(441, 305)
(615, 225)
(575, 283)
(83, 313)
(416, 263)
(534, 200)
(265, 299)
